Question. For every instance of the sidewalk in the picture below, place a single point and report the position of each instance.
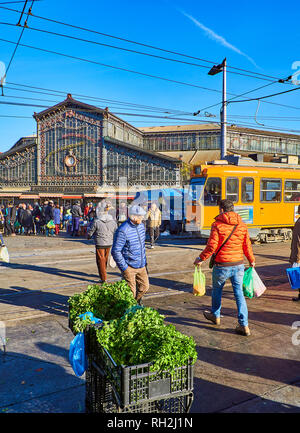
(260, 373)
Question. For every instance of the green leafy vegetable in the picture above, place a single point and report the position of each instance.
(141, 336)
(106, 302)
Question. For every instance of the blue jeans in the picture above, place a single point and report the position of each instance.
(220, 275)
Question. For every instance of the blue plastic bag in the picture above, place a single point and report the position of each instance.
(77, 356)
(91, 316)
(294, 277)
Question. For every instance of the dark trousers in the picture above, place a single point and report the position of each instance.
(8, 228)
(101, 260)
(75, 225)
(154, 234)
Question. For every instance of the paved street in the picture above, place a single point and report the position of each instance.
(233, 373)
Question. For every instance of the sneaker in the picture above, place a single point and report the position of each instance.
(243, 330)
(212, 318)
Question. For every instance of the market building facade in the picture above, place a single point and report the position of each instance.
(83, 152)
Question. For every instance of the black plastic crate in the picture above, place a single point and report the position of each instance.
(136, 384)
(101, 397)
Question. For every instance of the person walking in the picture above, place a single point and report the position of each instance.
(295, 249)
(154, 217)
(129, 252)
(229, 240)
(57, 218)
(2, 220)
(102, 229)
(10, 218)
(76, 212)
(37, 218)
(21, 217)
(28, 220)
(49, 216)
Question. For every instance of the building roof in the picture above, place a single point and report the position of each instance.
(141, 150)
(213, 127)
(180, 128)
(70, 102)
(21, 144)
(193, 157)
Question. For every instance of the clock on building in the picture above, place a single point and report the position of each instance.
(70, 160)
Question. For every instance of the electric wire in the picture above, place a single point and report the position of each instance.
(113, 67)
(267, 96)
(85, 97)
(195, 121)
(141, 44)
(126, 49)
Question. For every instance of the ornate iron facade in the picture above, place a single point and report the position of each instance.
(69, 148)
(138, 167)
(19, 168)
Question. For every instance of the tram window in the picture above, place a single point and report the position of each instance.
(232, 189)
(270, 190)
(292, 190)
(198, 170)
(212, 191)
(247, 190)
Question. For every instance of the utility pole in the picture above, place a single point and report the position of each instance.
(215, 70)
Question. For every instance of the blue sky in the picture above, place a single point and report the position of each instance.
(261, 36)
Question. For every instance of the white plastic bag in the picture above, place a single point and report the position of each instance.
(258, 286)
(4, 256)
(112, 263)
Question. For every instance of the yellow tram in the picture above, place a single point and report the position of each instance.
(266, 195)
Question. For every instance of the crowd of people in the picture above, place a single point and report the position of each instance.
(50, 218)
(38, 219)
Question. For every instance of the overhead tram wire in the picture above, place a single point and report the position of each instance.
(91, 110)
(46, 91)
(216, 122)
(268, 96)
(18, 42)
(251, 91)
(243, 94)
(127, 49)
(165, 118)
(142, 44)
(20, 1)
(113, 67)
(15, 49)
(85, 97)
(114, 105)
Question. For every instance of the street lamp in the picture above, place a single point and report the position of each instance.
(214, 71)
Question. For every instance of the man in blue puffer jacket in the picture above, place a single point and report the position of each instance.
(129, 252)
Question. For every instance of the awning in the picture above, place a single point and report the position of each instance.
(108, 195)
(70, 197)
(30, 197)
(10, 194)
(50, 195)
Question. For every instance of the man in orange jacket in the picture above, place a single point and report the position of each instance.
(228, 262)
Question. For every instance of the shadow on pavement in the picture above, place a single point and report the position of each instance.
(50, 270)
(212, 397)
(33, 385)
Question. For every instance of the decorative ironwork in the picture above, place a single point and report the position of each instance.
(138, 167)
